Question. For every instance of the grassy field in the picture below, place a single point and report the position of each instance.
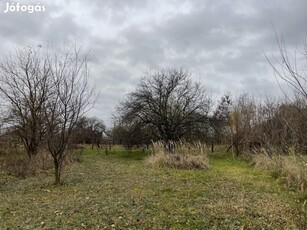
(117, 191)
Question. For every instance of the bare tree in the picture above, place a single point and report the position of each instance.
(169, 104)
(24, 79)
(71, 96)
(132, 135)
(89, 130)
(242, 122)
(81, 131)
(290, 68)
(219, 121)
(46, 92)
(96, 129)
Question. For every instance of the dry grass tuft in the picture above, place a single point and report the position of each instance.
(17, 163)
(185, 156)
(292, 169)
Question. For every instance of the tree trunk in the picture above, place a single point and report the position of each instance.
(110, 146)
(57, 172)
(237, 149)
(31, 149)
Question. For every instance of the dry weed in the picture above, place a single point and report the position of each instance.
(292, 169)
(184, 155)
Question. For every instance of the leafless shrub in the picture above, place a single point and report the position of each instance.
(186, 156)
(242, 122)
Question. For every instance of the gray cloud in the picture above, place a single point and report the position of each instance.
(222, 43)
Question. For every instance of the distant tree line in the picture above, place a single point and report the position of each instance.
(167, 105)
(89, 130)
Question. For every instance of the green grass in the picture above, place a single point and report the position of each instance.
(117, 191)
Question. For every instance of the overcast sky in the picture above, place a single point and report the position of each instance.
(222, 43)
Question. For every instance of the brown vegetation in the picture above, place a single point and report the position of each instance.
(185, 156)
(16, 163)
(291, 169)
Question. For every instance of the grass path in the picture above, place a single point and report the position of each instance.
(118, 192)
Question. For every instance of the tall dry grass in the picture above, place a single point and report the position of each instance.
(15, 162)
(185, 155)
(291, 169)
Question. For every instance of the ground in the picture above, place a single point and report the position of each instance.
(117, 191)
